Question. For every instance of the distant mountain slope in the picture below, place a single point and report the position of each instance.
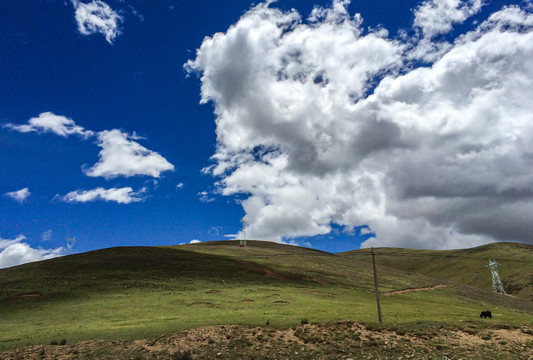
(467, 266)
(310, 265)
(103, 270)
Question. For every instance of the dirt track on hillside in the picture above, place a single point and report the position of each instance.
(404, 291)
(337, 340)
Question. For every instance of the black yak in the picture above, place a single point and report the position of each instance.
(485, 314)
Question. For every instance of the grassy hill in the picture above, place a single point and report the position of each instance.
(466, 266)
(141, 292)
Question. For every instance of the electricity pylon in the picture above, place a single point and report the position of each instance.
(243, 232)
(496, 282)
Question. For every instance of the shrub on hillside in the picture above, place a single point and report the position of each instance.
(62, 342)
(182, 355)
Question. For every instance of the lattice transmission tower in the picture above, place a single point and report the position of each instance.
(244, 223)
(496, 282)
(70, 243)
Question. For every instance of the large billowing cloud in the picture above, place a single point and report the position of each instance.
(97, 17)
(321, 122)
(15, 252)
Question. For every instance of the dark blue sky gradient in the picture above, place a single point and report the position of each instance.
(137, 84)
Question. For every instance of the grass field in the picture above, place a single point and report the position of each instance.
(141, 292)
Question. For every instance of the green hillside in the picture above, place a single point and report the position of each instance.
(141, 292)
(467, 266)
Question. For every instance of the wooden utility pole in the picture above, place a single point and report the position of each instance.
(376, 285)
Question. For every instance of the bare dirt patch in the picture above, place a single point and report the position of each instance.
(335, 340)
(321, 293)
(466, 339)
(23, 297)
(261, 269)
(274, 275)
(201, 303)
(30, 295)
(514, 336)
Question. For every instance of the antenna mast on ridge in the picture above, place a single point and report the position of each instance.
(244, 223)
(496, 282)
(70, 243)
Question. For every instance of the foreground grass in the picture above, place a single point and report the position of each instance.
(137, 293)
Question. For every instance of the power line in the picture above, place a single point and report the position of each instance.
(376, 286)
(382, 254)
(435, 256)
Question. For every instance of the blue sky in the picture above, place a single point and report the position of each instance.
(330, 125)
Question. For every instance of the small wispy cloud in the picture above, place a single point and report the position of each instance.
(47, 235)
(194, 241)
(205, 198)
(296, 243)
(215, 230)
(20, 195)
(136, 13)
(123, 195)
(97, 17)
(50, 122)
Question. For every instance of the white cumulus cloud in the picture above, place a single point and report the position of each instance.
(50, 122)
(321, 122)
(16, 252)
(123, 195)
(20, 195)
(121, 155)
(435, 17)
(97, 17)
